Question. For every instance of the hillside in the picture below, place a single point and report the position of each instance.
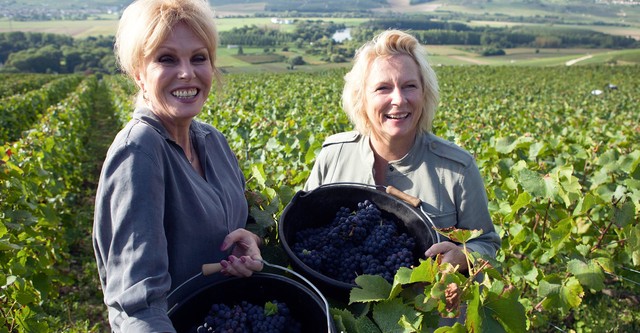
(604, 11)
(79, 18)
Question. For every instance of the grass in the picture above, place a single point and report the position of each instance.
(75, 29)
(108, 24)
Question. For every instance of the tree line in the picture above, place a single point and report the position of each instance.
(37, 52)
(452, 33)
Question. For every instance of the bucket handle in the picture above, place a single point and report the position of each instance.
(212, 268)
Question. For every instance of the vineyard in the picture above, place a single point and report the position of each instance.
(558, 148)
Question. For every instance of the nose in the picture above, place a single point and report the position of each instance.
(186, 71)
(397, 96)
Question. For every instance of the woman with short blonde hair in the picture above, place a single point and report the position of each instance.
(146, 23)
(386, 44)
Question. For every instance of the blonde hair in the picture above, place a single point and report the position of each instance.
(386, 44)
(145, 24)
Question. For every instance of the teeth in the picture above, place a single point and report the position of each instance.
(185, 93)
(398, 116)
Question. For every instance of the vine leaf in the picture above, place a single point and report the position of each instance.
(589, 274)
(456, 328)
(502, 311)
(387, 313)
(543, 187)
(372, 288)
(632, 247)
(459, 235)
(560, 293)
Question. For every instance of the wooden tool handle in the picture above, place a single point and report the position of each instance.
(208, 269)
(410, 199)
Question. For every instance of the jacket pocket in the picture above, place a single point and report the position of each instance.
(443, 220)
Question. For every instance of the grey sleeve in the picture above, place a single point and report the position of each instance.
(130, 242)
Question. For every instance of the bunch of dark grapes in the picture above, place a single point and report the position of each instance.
(355, 243)
(247, 317)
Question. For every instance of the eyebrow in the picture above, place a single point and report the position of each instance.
(171, 48)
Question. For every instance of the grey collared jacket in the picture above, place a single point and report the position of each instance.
(157, 220)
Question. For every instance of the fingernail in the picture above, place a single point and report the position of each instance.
(224, 264)
(232, 259)
(243, 259)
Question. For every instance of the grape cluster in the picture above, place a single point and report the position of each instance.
(355, 243)
(247, 317)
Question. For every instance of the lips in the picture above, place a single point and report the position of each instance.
(397, 116)
(185, 93)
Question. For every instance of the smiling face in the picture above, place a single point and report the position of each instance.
(394, 99)
(177, 76)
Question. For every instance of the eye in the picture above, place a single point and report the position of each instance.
(165, 59)
(200, 58)
(412, 86)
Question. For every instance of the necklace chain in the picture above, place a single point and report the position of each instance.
(193, 154)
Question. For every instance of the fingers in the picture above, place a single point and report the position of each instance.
(245, 257)
(450, 253)
(241, 266)
(241, 237)
(439, 248)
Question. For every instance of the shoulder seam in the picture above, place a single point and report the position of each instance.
(344, 137)
(450, 150)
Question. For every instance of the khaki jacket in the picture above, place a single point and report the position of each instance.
(443, 175)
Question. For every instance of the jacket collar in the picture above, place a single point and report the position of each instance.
(144, 114)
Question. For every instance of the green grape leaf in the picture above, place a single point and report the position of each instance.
(459, 235)
(387, 315)
(456, 328)
(270, 309)
(589, 274)
(370, 288)
(343, 319)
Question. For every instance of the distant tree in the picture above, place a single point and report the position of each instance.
(337, 58)
(295, 60)
(493, 51)
(72, 58)
(47, 59)
(108, 63)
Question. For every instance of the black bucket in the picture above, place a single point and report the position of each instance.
(306, 307)
(318, 207)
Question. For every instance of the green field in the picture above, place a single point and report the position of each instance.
(107, 25)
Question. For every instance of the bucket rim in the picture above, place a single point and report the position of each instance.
(374, 189)
(308, 289)
(424, 216)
